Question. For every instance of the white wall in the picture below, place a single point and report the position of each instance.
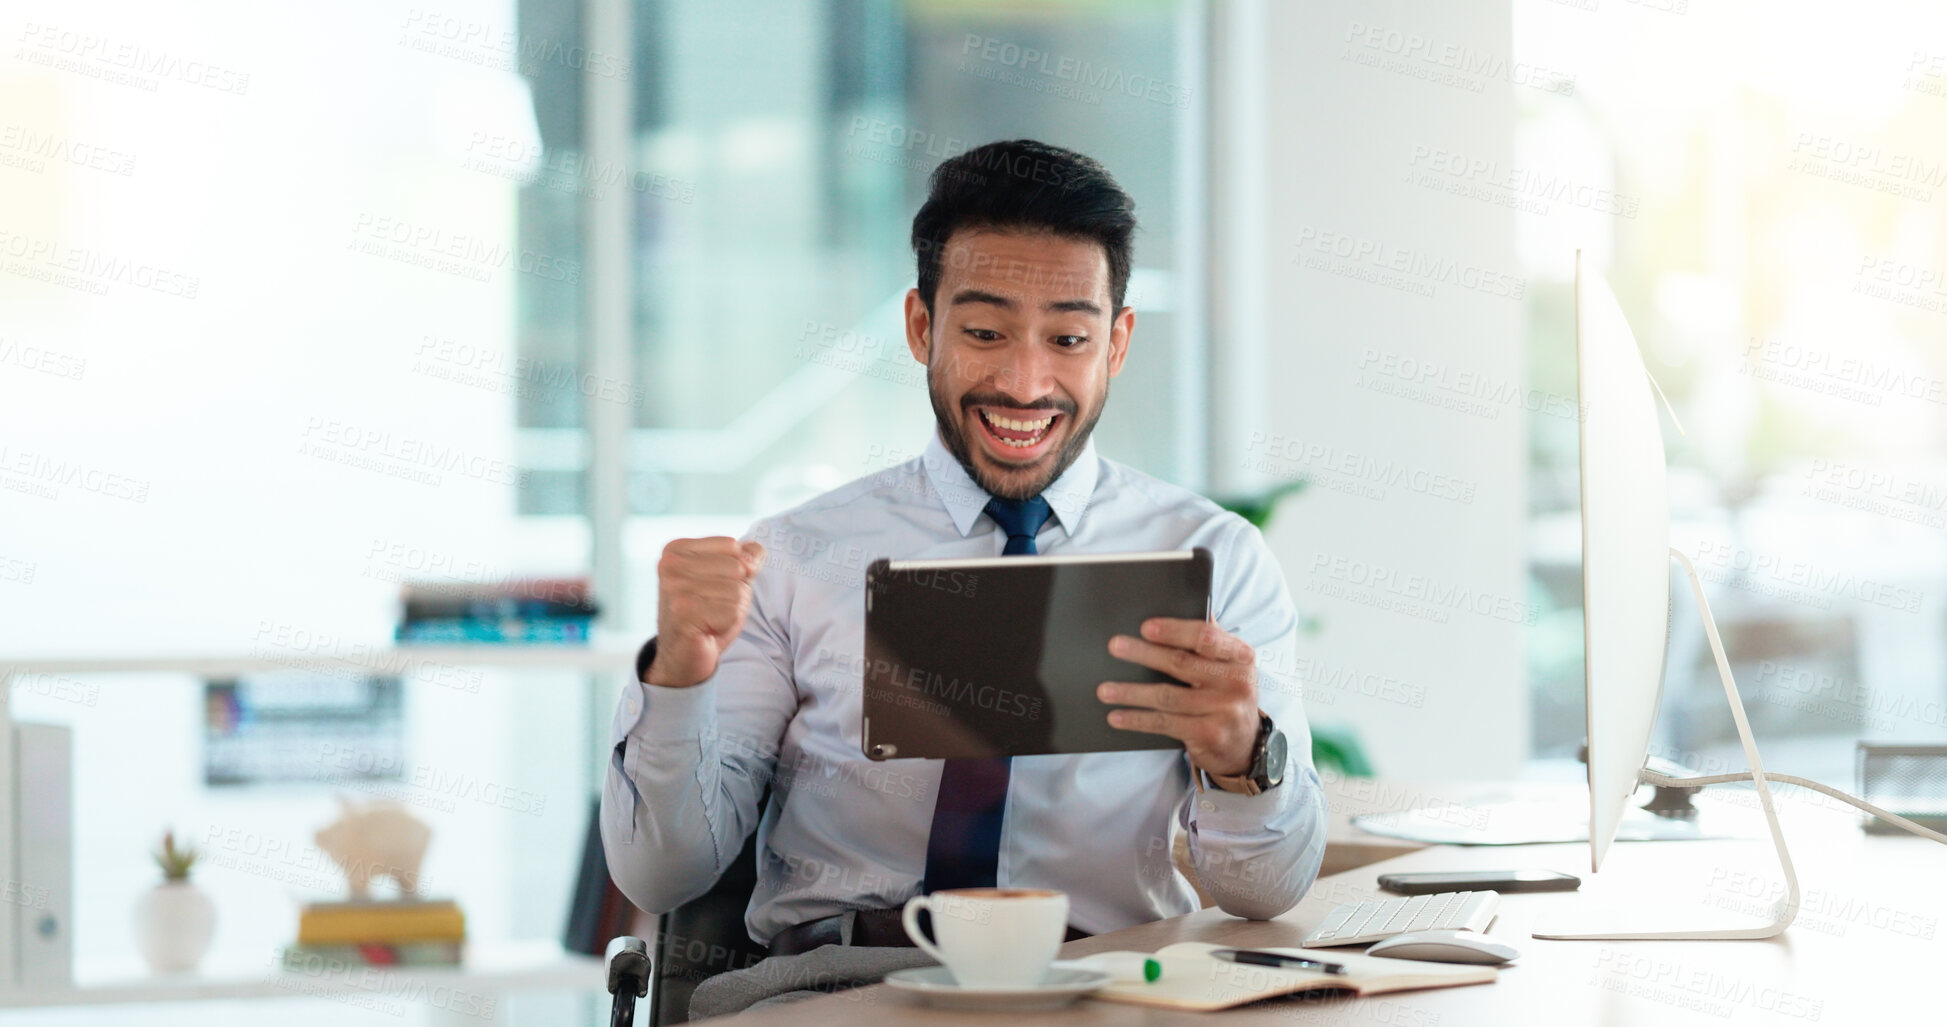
(1369, 338)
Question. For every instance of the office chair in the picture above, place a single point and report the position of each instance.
(704, 937)
(628, 978)
(689, 944)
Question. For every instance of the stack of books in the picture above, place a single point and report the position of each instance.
(380, 933)
(523, 610)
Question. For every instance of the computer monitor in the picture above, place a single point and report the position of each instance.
(1625, 554)
(1626, 558)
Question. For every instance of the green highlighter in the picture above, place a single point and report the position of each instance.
(1123, 966)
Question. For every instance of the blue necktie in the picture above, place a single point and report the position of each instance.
(964, 850)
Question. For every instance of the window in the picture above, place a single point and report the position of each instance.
(778, 152)
(1763, 186)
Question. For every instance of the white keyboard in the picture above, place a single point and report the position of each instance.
(1356, 923)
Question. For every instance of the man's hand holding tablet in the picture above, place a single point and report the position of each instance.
(1216, 718)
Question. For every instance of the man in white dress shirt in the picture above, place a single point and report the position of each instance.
(752, 685)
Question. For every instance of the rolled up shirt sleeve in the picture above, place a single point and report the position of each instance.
(688, 766)
(1257, 855)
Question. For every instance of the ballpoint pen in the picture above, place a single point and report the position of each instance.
(1257, 958)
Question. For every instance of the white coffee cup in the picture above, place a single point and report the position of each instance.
(992, 937)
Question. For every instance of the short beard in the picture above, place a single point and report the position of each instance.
(957, 444)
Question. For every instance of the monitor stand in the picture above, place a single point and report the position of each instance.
(1786, 909)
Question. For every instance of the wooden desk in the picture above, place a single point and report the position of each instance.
(1868, 946)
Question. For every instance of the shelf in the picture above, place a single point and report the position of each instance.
(490, 970)
(379, 659)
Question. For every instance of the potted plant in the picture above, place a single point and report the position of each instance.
(174, 921)
(1334, 747)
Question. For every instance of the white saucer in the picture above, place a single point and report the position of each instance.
(935, 986)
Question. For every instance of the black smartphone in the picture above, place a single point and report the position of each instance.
(1503, 881)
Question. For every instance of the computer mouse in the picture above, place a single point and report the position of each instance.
(1445, 947)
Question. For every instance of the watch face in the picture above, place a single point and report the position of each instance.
(1274, 756)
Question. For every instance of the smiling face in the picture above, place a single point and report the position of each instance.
(1019, 346)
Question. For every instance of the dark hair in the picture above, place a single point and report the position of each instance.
(1028, 185)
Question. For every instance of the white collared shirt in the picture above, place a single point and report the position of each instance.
(842, 832)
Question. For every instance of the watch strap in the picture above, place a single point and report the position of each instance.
(1245, 783)
(1242, 784)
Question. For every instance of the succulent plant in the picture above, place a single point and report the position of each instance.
(175, 862)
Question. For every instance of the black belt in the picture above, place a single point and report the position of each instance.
(879, 928)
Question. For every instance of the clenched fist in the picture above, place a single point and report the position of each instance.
(703, 596)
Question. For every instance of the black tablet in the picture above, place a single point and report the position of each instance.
(1001, 656)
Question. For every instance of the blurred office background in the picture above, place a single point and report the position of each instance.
(301, 303)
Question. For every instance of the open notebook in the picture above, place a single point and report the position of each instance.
(1193, 980)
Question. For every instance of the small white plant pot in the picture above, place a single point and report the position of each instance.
(174, 924)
